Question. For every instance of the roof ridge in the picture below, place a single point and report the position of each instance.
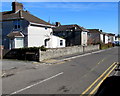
(35, 17)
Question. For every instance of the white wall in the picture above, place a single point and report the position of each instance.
(106, 39)
(116, 39)
(54, 42)
(37, 35)
(84, 38)
(111, 38)
(101, 37)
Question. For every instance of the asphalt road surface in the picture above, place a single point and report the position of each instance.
(80, 74)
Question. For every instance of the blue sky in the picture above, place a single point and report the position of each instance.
(97, 15)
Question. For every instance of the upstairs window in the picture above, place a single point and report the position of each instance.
(16, 24)
(46, 28)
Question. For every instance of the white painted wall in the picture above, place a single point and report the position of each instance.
(54, 42)
(111, 38)
(106, 39)
(101, 37)
(84, 38)
(37, 35)
(116, 39)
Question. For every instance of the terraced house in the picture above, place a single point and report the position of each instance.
(22, 29)
(96, 36)
(73, 34)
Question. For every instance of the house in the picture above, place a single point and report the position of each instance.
(54, 42)
(73, 34)
(117, 38)
(95, 36)
(105, 38)
(22, 29)
(111, 37)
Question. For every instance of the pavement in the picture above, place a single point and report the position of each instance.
(75, 74)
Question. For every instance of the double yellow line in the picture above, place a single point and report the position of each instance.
(113, 66)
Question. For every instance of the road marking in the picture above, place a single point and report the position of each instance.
(28, 87)
(77, 56)
(102, 80)
(98, 51)
(60, 62)
(94, 67)
(97, 79)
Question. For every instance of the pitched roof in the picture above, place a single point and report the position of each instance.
(7, 15)
(69, 28)
(94, 31)
(110, 34)
(21, 14)
(15, 34)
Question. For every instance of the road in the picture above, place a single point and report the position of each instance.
(79, 75)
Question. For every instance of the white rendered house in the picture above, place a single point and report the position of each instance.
(22, 29)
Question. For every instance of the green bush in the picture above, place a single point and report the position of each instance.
(43, 48)
(33, 48)
(105, 46)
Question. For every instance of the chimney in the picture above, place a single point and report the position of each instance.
(97, 29)
(57, 24)
(100, 30)
(17, 6)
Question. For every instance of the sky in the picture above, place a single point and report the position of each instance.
(90, 15)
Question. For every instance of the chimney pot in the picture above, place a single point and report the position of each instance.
(57, 24)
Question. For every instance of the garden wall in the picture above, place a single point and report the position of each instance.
(56, 52)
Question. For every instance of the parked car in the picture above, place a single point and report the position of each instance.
(116, 43)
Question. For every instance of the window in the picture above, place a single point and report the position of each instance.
(84, 33)
(63, 34)
(46, 41)
(19, 42)
(19, 38)
(61, 42)
(16, 24)
(45, 28)
(89, 34)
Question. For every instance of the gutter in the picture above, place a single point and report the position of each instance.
(43, 25)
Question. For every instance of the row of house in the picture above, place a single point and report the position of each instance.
(77, 35)
(96, 36)
(22, 29)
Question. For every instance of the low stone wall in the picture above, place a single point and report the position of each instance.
(1, 51)
(57, 52)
